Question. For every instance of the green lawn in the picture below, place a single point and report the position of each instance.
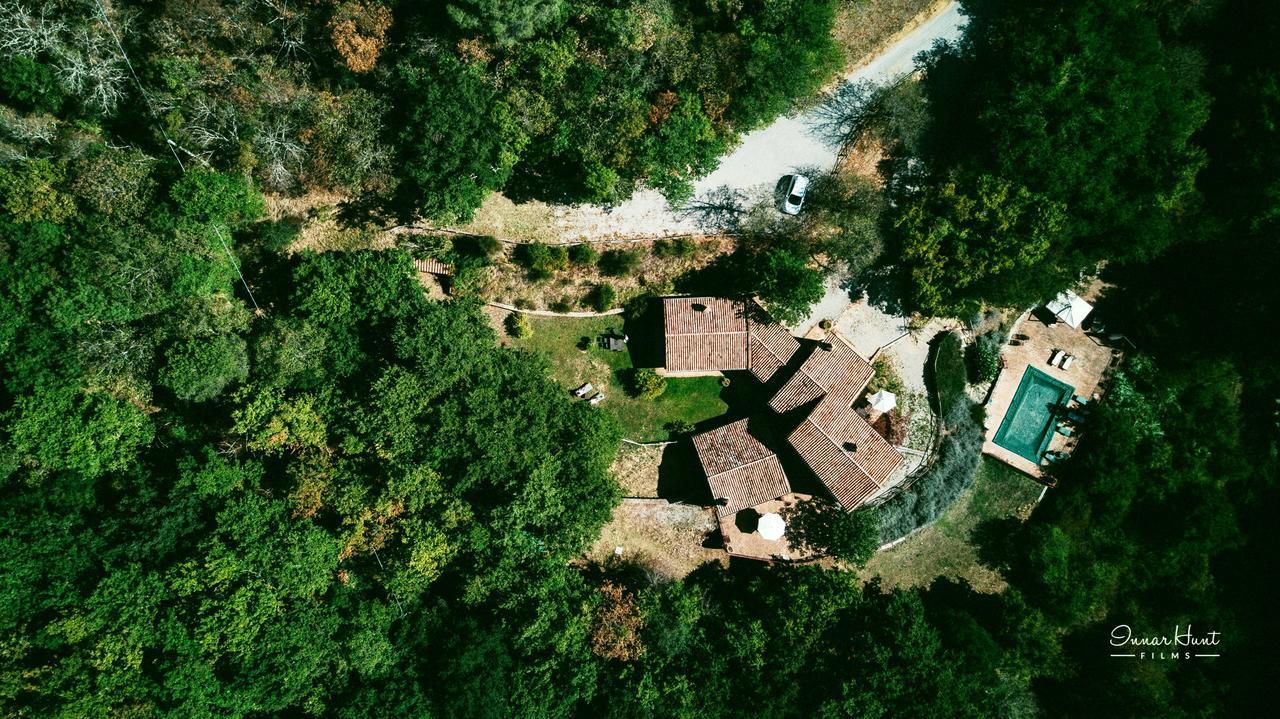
(944, 549)
(693, 399)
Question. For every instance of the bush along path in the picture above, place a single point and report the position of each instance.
(549, 313)
(613, 240)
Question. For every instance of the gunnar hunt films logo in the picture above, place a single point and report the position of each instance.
(1182, 644)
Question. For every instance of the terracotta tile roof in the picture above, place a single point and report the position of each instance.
(849, 457)
(771, 347)
(839, 371)
(740, 470)
(704, 333)
(435, 267)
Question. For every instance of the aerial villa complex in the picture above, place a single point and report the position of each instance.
(835, 441)
(1050, 371)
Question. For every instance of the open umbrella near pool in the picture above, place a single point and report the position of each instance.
(1070, 308)
(883, 401)
(771, 526)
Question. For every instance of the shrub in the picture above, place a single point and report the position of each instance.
(469, 274)
(984, 358)
(949, 372)
(680, 426)
(277, 236)
(477, 245)
(647, 384)
(541, 260)
(885, 377)
(583, 254)
(517, 325)
(825, 324)
(564, 304)
(616, 263)
(681, 247)
(725, 381)
(602, 297)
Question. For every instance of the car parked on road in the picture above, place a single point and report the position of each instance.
(795, 194)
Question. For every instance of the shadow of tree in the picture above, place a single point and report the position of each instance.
(721, 209)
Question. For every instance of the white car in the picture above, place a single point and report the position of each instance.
(795, 194)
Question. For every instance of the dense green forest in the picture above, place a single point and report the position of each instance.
(335, 497)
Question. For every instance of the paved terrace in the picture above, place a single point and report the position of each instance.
(745, 541)
(1085, 375)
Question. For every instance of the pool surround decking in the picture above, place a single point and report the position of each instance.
(1085, 375)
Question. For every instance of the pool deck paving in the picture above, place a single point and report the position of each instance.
(1085, 376)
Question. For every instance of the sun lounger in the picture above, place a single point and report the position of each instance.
(1056, 357)
(583, 390)
(1080, 400)
(1064, 430)
(597, 398)
(1066, 361)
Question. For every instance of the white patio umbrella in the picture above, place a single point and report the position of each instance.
(883, 401)
(1070, 308)
(771, 526)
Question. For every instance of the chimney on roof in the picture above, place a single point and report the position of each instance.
(850, 447)
(699, 307)
(826, 346)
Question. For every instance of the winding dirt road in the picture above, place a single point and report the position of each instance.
(761, 158)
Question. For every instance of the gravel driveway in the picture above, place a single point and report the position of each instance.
(760, 159)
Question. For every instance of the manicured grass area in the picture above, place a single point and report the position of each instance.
(692, 399)
(944, 548)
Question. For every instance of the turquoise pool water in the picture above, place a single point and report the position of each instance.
(1028, 424)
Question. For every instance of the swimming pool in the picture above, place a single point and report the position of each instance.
(1028, 424)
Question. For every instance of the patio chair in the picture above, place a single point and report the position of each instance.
(1056, 357)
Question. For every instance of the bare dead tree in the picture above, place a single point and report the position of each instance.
(281, 153)
(91, 69)
(24, 31)
(27, 129)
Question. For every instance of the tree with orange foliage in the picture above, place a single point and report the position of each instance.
(359, 33)
(616, 634)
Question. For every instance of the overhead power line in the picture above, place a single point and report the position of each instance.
(173, 146)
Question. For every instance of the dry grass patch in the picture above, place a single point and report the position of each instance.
(863, 28)
(315, 214)
(528, 221)
(863, 159)
(636, 469)
(666, 538)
